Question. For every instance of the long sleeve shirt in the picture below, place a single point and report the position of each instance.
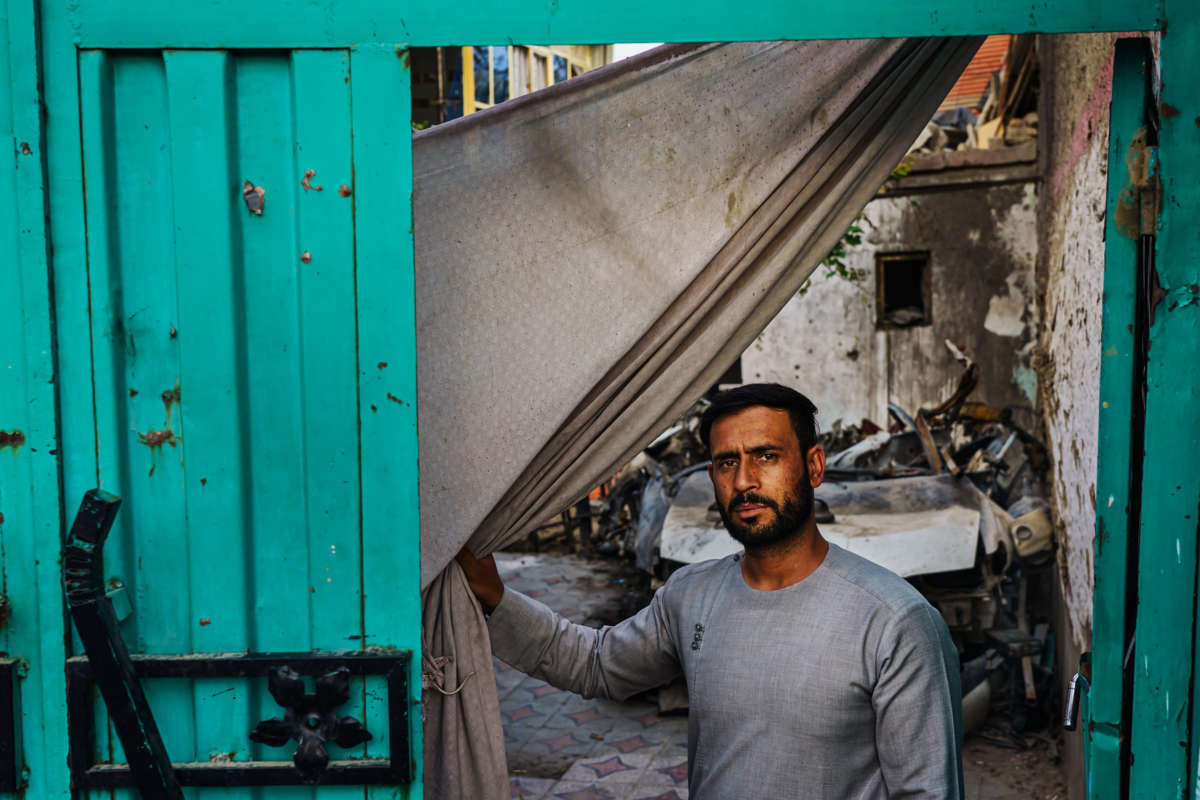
(843, 685)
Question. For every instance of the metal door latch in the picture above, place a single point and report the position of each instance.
(1071, 713)
(311, 719)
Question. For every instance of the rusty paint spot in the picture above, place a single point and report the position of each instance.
(1197, 121)
(25, 151)
(133, 392)
(1, 518)
(204, 481)
(309, 174)
(1169, 111)
(151, 473)
(170, 398)
(1127, 215)
(205, 621)
(312, 589)
(344, 190)
(174, 332)
(5, 611)
(255, 198)
(373, 408)
(15, 440)
(306, 257)
(155, 439)
(395, 399)
(382, 365)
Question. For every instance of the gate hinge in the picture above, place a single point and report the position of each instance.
(1149, 192)
(1136, 211)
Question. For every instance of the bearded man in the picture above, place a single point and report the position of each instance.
(811, 672)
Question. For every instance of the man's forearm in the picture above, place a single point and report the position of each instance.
(612, 662)
(531, 637)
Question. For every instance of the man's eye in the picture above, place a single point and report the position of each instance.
(729, 463)
(767, 456)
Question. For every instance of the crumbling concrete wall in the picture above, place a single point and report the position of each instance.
(1077, 89)
(982, 254)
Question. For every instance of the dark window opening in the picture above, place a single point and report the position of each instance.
(902, 289)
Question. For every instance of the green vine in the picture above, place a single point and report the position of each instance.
(835, 262)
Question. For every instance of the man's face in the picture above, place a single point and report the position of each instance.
(760, 476)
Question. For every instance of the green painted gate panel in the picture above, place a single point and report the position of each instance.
(1163, 743)
(235, 357)
(1121, 409)
(294, 23)
(31, 625)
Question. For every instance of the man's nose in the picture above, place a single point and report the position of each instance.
(746, 476)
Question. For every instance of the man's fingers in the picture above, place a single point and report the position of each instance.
(482, 576)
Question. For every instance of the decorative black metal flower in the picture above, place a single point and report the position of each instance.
(311, 719)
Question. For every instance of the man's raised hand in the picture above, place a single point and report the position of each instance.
(483, 578)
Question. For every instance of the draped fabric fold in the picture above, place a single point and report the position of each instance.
(590, 259)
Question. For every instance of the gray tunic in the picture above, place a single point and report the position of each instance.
(844, 685)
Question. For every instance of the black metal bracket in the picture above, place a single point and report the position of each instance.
(392, 664)
(10, 715)
(109, 667)
(92, 611)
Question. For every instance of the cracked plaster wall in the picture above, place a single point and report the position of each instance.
(982, 245)
(1071, 269)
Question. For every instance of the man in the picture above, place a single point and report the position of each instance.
(811, 672)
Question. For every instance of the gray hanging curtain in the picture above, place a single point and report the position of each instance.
(589, 260)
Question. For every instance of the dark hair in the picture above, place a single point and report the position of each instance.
(772, 395)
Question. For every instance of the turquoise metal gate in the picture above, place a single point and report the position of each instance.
(246, 381)
(233, 354)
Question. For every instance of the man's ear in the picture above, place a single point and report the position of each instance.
(815, 460)
(710, 474)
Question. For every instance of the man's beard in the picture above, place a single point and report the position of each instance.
(786, 525)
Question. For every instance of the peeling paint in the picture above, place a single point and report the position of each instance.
(1027, 380)
(1140, 179)
(1073, 257)
(254, 197)
(309, 174)
(155, 439)
(170, 398)
(14, 439)
(1006, 312)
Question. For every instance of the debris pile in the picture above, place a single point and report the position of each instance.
(1006, 115)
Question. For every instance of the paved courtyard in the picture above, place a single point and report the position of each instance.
(562, 747)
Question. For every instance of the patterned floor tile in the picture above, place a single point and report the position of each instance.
(632, 744)
(574, 790)
(670, 794)
(677, 773)
(606, 771)
(522, 714)
(586, 716)
(526, 788)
